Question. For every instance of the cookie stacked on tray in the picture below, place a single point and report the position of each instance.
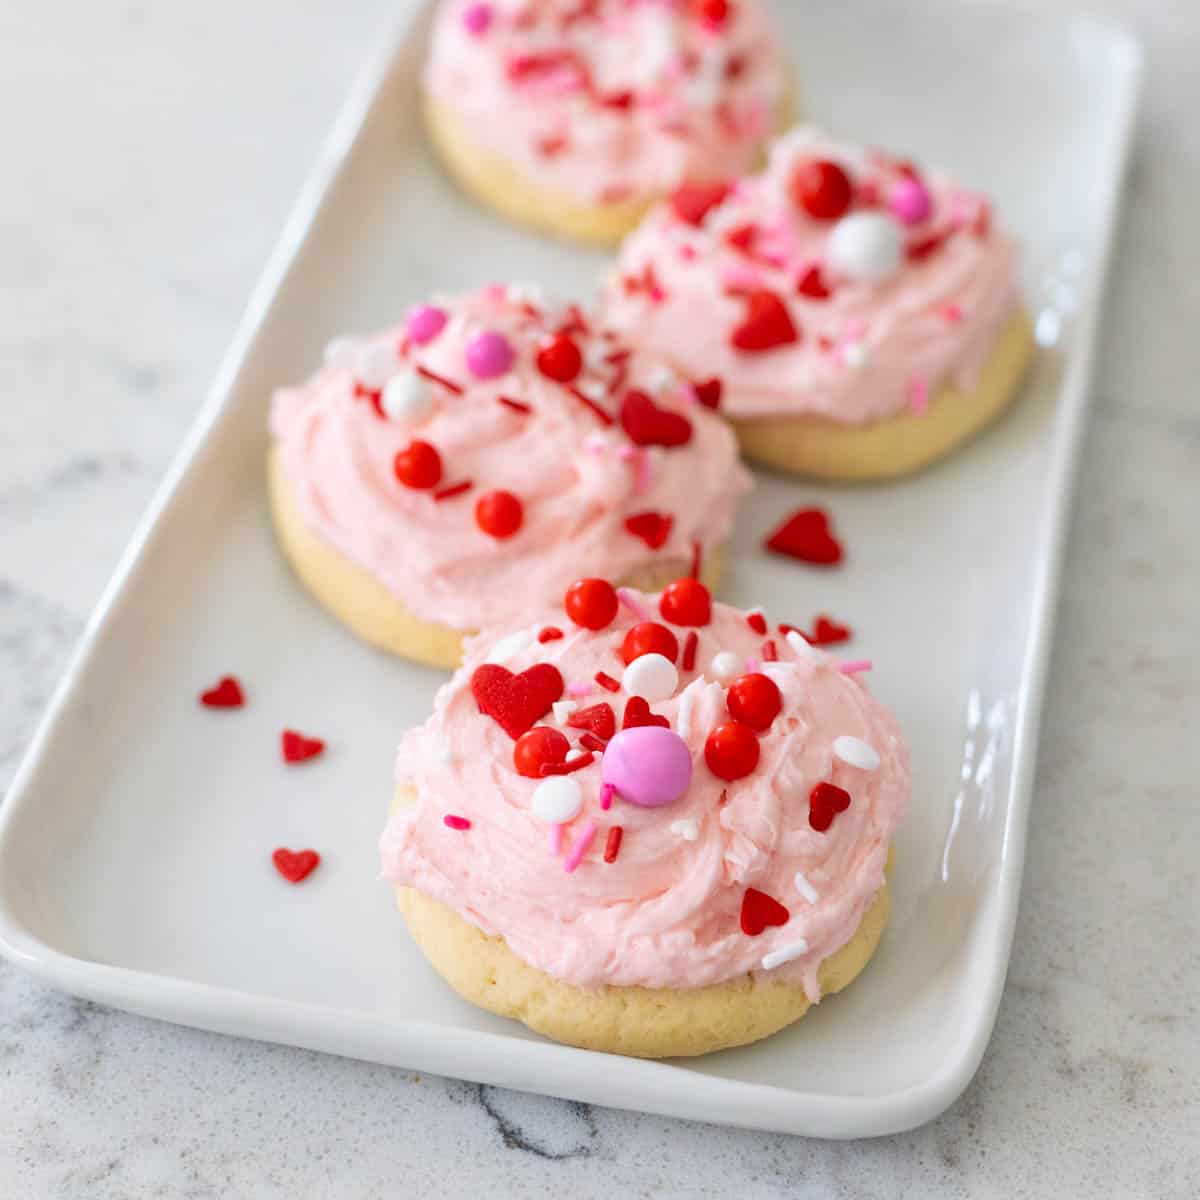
(640, 820)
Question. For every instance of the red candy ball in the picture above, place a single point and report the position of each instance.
(822, 189)
(559, 359)
(536, 747)
(754, 700)
(731, 751)
(591, 603)
(418, 465)
(715, 12)
(649, 638)
(686, 602)
(499, 514)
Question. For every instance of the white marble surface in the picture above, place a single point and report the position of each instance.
(151, 151)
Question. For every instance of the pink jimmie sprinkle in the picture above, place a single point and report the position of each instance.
(579, 849)
(635, 606)
(453, 822)
(577, 690)
(739, 277)
(642, 471)
(951, 314)
(855, 666)
(554, 840)
(606, 794)
(918, 395)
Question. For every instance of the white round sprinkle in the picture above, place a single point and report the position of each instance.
(864, 246)
(800, 644)
(557, 799)
(405, 397)
(726, 666)
(856, 355)
(687, 828)
(652, 676)
(661, 377)
(506, 647)
(784, 955)
(856, 753)
(376, 364)
(562, 710)
(339, 353)
(805, 888)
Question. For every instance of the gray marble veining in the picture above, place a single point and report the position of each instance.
(151, 151)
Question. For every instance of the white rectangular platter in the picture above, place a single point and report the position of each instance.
(134, 848)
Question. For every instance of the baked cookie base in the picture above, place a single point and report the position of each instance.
(636, 1021)
(363, 604)
(825, 449)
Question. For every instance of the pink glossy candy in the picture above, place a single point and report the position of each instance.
(488, 355)
(909, 201)
(477, 18)
(424, 323)
(649, 766)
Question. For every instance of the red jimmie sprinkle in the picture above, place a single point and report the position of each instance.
(227, 693)
(604, 418)
(770, 652)
(694, 569)
(589, 741)
(516, 405)
(549, 634)
(566, 768)
(455, 489)
(434, 377)
(451, 821)
(612, 843)
(298, 748)
(689, 651)
(607, 682)
(757, 622)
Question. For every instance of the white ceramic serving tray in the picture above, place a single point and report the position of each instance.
(134, 847)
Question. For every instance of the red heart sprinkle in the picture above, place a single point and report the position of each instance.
(805, 536)
(295, 865)
(637, 714)
(652, 527)
(827, 632)
(760, 910)
(227, 694)
(648, 425)
(824, 803)
(708, 393)
(515, 702)
(298, 748)
(812, 285)
(694, 201)
(599, 719)
(767, 324)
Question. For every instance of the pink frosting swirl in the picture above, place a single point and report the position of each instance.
(666, 912)
(868, 349)
(559, 448)
(608, 100)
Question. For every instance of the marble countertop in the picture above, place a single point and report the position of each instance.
(151, 152)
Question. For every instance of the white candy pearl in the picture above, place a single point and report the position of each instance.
(557, 800)
(339, 352)
(856, 355)
(375, 365)
(405, 396)
(652, 676)
(856, 753)
(726, 666)
(864, 246)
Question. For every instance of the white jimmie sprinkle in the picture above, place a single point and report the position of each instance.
(805, 888)
(784, 955)
(856, 753)
(799, 644)
(687, 828)
(562, 710)
(683, 721)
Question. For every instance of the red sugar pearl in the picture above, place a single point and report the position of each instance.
(686, 602)
(538, 746)
(649, 638)
(559, 359)
(499, 514)
(715, 12)
(591, 603)
(822, 189)
(418, 466)
(754, 700)
(731, 751)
